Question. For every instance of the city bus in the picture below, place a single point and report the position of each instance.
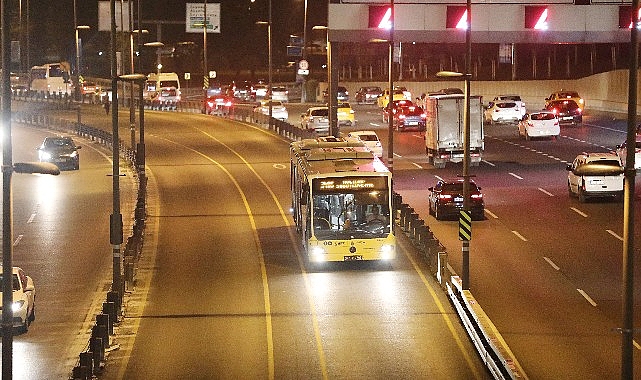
(341, 200)
(51, 78)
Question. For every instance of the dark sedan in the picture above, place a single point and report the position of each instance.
(218, 105)
(446, 199)
(61, 151)
(567, 110)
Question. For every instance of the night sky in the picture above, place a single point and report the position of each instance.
(241, 43)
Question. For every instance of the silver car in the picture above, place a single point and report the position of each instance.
(317, 119)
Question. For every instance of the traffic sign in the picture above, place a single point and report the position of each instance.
(465, 226)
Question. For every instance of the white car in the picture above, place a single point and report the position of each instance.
(539, 124)
(278, 109)
(595, 175)
(280, 93)
(622, 152)
(512, 98)
(370, 139)
(502, 112)
(24, 299)
(316, 118)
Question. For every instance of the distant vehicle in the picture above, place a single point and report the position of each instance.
(89, 88)
(24, 299)
(446, 199)
(51, 78)
(567, 111)
(566, 95)
(370, 139)
(398, 94)
(395, 106)
(622, 152)
(214, 88)
(345, 114)
(539, 124)
(503, 112)
(280, 93)
(512, 98)
(220, 105)
(445, 127)
(61, 151)
(368, 95)
(341, 94)
(163, 89)
(410, 117)
(317, 119)
(260, 91)
(595, 175)
(278, 109)
(244, 91)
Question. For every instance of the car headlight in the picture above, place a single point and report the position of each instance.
(17, 305)
(387, 252)
(74, 154)
(45, 155)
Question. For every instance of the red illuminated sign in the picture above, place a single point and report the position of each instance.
(536, 17)
(456, 17)
(380, 16)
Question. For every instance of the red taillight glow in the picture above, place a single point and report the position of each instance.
(401, 116)
(477, 196)
(444, 196)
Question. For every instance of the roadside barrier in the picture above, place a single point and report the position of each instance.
(491, 347)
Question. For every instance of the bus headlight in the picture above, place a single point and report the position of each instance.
(387, 252)
(318, 251)
(17, 306)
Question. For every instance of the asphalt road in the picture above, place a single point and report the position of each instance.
(223, 291)
(61, 240)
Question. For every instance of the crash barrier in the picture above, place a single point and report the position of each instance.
(492, 349)
(92, 360)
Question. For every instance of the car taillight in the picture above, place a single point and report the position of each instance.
(210, 104)
(423, 116)
(555, 111)
(444, 196)
(228, 104)
(401, 116)
(579, 110)
(477, 196)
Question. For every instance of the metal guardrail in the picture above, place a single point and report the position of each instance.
(491, 347)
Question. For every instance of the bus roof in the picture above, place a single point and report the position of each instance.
(327, 155)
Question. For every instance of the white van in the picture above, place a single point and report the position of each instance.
(596, 175)
(163, 88)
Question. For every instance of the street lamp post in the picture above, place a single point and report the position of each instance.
(304, 81)
(269, 53)
(76, 29)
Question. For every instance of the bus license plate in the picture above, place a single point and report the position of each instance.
(353, 258)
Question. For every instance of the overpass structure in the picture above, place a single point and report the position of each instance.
(493, 21)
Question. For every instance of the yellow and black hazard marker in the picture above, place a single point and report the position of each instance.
(465, 225)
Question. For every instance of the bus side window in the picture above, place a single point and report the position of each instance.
(304, 195)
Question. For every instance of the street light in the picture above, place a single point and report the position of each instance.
(270, 65)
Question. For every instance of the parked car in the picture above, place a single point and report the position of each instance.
(503, 112)
(280, 93)
(410, 117)
(622, 152)
(220, 105)
(567, 111)
(539, 124)
(345, 114)
(278, 109)
(317, 119)
(595, 175)
(24, 299)
(368, 94)
(370, 139)
(566, 95)
(61, 151)
(520, 104)
(446, 199)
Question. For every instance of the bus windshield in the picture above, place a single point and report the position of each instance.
(351, 214)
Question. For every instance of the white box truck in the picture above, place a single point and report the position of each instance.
(445, 125)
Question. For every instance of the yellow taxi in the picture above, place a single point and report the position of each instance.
(345, 114)
(565, 95)
(399, 94)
